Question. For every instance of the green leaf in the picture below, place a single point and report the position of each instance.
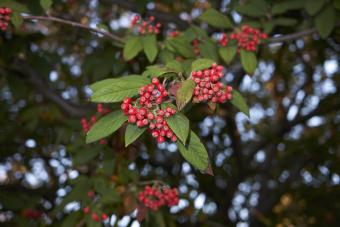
(157, 71)
(115, 90)
(166, 55)
(175, 65)
(16, 19)
(150, 47)
(106, 126)
(252, 10)
(132, 47)
(182, 46)
(132, 133)
(195, 152)
(239, 102)
(284, 21)
(325, 21)
(284, 6)
(208, 50)
(227, 53)
(313, 7)
(184, 93)
(179, 125)
(46, 4)
(15, 6)
(215, 19)
(336, 4)
(84, 156)
(200, 64)
(249, 61)
(72, 219)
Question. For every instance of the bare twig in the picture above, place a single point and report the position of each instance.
(109, 35)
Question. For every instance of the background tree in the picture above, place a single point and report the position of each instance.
(277, 167)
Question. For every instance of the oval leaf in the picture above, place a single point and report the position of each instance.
(228, 53)
(132, 133)
(215, 18)
(184, 93)
(312, 7)
(200, 64)
(150, 47)
(115, 90)
(195, 152)
(249, 61)
(239, 102)
(106, 126)
(132, 47)
(16, 19)
(325, 21)
(179, 125)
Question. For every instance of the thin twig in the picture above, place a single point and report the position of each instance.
(109, 35)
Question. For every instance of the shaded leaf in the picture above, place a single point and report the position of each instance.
(184, 93)
(325, 21)
(150, 47)
(16, 19)
(208, 49)
(215, 19)
(313, 7)
(46, 4)
(239, 102)
(249, 61)
(284, 6)
(227, 53)
(132, 47)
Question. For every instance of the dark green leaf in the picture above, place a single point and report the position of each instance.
(227, 53)
(179, 125)
(195, 152)
(150, 47)
(208, 50)
(15, 6)
(175, 65)
(200, 64)
(132, 133)
(249, 61)
(215, 19)
(284, 6)
(252, 10)
(184, 93)
(115, 90)
(325, 21)
(132, 47)
(182, 46)
(16, 19)
(84, 156)
(284, 21)
(313, 7)
(106, 126)
(239, 102)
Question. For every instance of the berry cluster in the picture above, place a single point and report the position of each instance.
(195, 44)
(145, 111)
(208, 87)
(87, 124)
(145, 27)
(248, 38)
(95, 216)
(155, 197)
(5, 17)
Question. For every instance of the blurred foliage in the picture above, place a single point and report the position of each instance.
(278, 168)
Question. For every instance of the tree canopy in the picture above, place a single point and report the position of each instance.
(169, 113)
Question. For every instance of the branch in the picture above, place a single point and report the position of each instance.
(43, 88)
(109, 35)
(294, 36)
